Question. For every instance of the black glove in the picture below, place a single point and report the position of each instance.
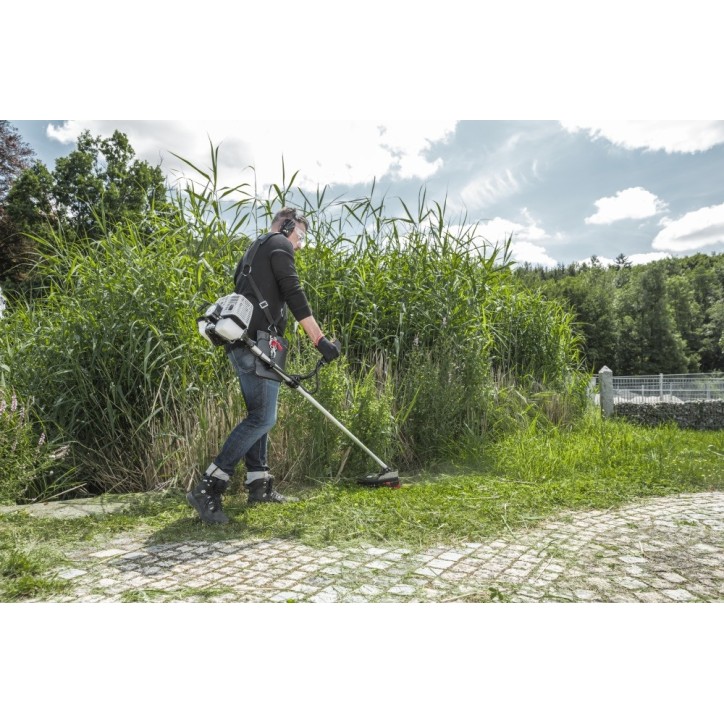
(329, 350)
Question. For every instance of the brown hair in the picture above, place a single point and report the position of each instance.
(290, 213)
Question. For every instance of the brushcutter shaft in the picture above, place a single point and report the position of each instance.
(334, 420)
(295, 385)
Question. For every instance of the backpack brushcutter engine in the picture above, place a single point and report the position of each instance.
(228, 319)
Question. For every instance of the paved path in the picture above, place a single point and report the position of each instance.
(661, 550)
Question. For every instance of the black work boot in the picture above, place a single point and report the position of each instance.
(206, 499)
(261, 491)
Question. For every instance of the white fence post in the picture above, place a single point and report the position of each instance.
(605, 380)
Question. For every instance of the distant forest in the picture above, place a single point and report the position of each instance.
(665, 316)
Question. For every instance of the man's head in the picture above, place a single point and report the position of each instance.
(292, 224)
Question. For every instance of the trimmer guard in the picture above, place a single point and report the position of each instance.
(387, 479)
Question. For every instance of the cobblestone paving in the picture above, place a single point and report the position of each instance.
(662, 550)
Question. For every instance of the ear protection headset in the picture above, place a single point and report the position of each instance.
(288, 226)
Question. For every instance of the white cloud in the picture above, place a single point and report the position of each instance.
(522, 248)
(634, 259)
(669, 136)
(631, 203)
(646, 258)
(524, 251)
(498, 229)
(694, 230)
(602, 260)
(488, 188)
(510, 168)
(324, 152)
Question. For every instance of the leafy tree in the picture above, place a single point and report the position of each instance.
(648, 339)
(15, 157)
(30, 201)
(622, 262)
(591, 296)
(100, 184)
(611, 307)
(688, 316)
(712, 345)
(705, 275)
(89, 192)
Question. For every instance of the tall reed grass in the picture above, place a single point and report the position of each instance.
(430, 318)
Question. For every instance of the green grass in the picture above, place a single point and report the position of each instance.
(521, 481)
(27, 573)
(615, 451)
(184, 593)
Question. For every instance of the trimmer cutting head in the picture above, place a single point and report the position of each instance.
(387, 479)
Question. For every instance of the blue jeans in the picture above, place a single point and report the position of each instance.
(248, 439)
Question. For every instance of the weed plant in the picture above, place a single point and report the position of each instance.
(24, 450)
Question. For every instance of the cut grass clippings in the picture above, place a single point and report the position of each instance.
(27, 574)
(525, 479)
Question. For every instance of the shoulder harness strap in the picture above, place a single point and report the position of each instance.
(243, 271)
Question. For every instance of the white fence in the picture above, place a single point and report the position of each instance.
(664, 388)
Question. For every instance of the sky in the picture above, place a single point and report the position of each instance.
(564, 189)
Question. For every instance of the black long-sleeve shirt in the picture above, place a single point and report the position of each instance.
(275, 274)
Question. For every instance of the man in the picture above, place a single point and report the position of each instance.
(273, 277)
